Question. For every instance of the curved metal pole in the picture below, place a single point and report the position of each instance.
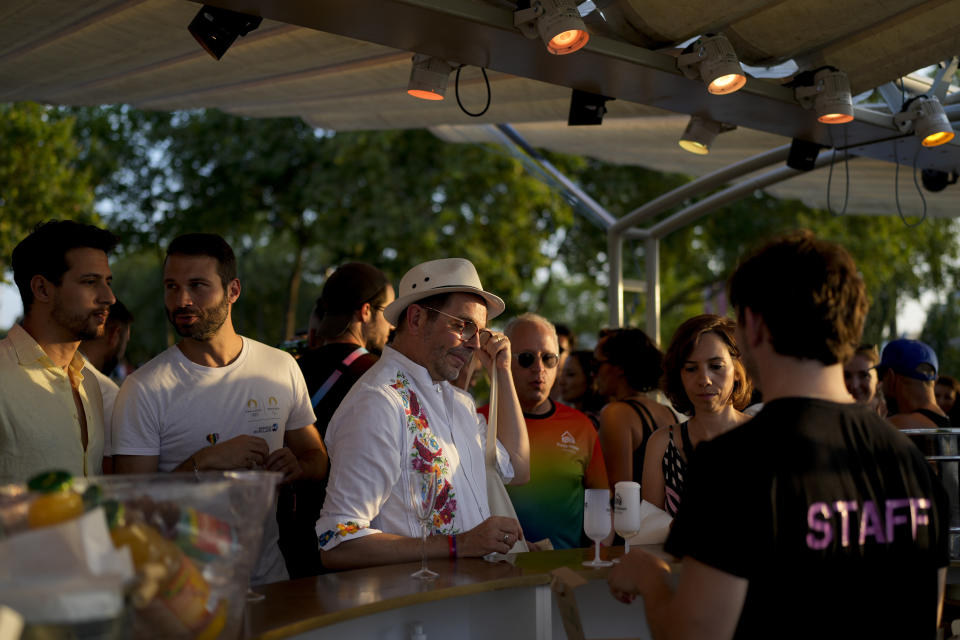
(622, 228)
(701, 184)
(734, 192)
(652, 268)
(702, 208)
(615, 287)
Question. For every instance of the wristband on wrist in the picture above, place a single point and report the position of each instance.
(452, 543)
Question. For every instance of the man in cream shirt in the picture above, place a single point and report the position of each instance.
(51, 412)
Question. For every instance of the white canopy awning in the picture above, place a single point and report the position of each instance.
(344, 64)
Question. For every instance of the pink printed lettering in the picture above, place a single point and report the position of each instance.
(844, 507)
(870, 524)
(876, 520)
(922, 503)
(893, 518)
(818, 519)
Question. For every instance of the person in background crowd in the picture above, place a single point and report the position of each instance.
(404, 418)
(566, 342)
(353, 332)
(945, 391)
(565, 455)
(627, 366)
(908, 369)
(51, 410)
(216, 400)
(576, 385)
(102, 355)
(704, 378)
(816, 518)
(860, 376)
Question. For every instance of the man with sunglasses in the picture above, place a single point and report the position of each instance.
(348, 321)
(565, 456)
(404, 418)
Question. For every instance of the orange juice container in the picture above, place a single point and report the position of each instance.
(172, 580)
(56, 500)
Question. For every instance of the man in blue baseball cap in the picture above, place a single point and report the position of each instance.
(908, 370)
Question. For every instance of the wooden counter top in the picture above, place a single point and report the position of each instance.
(297, 606)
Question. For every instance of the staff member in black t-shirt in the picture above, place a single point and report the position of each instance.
(817, 518)
(350, 324)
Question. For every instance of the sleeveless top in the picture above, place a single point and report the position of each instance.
(649, 425)
(674, 466)
(934, 446)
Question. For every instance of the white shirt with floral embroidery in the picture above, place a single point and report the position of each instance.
(396, 420)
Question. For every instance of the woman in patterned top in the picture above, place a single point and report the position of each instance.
(704, 378)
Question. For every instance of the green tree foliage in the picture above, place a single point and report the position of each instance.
(295, 202)
(942, 332)
(897, 261)
(39, 176)
(301, 201)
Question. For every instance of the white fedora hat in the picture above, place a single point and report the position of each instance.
(449, 275)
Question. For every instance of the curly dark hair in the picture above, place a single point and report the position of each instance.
(808, 293)
(635, 353)
(684, 341)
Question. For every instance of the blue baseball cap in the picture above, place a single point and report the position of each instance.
(904, 357)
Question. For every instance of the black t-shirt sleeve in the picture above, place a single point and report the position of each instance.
(718, 523)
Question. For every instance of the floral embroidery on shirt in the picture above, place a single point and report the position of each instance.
(343, 530)
(427, 454)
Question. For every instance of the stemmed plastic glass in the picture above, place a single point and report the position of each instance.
(596, 522)
(423, 493)
(626, 511)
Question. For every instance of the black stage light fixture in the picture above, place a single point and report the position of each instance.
(935, 180)
(216, 29)
(803, 154)
(586, 108)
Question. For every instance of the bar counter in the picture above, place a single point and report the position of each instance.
(471, 598)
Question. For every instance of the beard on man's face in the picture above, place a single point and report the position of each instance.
(84, 326)
(208, 321)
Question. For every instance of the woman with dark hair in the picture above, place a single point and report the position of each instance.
(576, 385)
(627, 364)
(946, 390)
(860, 376)
(704, 378)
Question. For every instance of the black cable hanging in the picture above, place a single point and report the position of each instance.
(896, 174)
(846, 166)
(896, 189)
(456, 90)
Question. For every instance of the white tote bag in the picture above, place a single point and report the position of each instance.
(497, 496)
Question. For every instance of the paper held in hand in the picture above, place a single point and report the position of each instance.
(654, 525)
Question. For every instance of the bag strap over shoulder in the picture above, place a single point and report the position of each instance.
(339, 371)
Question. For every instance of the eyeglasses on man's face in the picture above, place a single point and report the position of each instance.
(465, 329)
(526, 359)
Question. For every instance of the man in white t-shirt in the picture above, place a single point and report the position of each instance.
(216, 400)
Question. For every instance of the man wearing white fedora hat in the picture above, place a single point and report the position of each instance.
(403, 417)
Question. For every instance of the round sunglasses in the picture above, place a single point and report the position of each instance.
(526, 359)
